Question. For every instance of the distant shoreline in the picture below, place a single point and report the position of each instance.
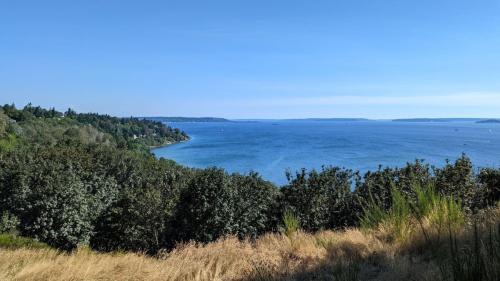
(489, 121)
(440, 120)
(187, 119)
(168, 144)
(224, 120)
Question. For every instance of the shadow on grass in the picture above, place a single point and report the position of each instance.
(473, 255)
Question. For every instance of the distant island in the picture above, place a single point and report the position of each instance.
(187, 119)
(488, 121)
(438, 120)
(330, 119)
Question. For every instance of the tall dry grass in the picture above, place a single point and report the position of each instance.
(328, 255)
(347, 254)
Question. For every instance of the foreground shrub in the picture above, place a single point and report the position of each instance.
(436, 214)
(395, 222)
(433, 213)
(457, 180)
(321, 200)
(490, 181)
(215, 204)
(206, 208)
(135, 222)
(291, 223)
(10, 241)
(54, 198)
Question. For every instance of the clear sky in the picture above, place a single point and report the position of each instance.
(254, 59)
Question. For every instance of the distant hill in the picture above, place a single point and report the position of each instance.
(187, 119)
(331, 119)
(487, 121)
(438, 120)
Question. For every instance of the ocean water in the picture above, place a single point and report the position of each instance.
(272, 147)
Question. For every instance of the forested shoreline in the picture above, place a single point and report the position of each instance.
(69, 179)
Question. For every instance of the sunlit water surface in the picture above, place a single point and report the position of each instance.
(272, 147)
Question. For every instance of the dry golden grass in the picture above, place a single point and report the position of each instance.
(271, 257)
(328, 255)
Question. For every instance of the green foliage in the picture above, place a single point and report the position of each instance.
(8, 139)
(55, 199)
(8, 223)
(140, 218)
(206, 207)
(399, 222)
(291, 223)
(255, 205)
(457, 180)
(10, 241)
(135, 222)
(490, 183)
(376, 186)
(29, 112)
(396, 220)
(433, 212)
(129, 132)
(373, 215)
(215, 204)
(8, 143)
(321, 199)
(132, 133)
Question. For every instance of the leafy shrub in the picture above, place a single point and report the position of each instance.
(291, 223)
(436, 213)
(432, 211)
(255, 205)
(55, 200)
(8, 223)
(322, 199)
(11, 241)
(457, 180)
(490, 181)
(206, 207)
(135, 222)
(396, 221)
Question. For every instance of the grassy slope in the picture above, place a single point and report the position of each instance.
(342, 255)
(227, 259)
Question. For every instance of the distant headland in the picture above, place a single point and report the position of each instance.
(487, 121)
(187, 119)
(439, 120)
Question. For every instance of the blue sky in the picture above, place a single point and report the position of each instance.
(254, 59)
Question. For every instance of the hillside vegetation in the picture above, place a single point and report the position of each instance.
(86, 191)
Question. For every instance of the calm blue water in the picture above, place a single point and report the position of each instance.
(272, 147)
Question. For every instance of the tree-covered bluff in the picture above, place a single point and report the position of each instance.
(48, 125)
(69, 179)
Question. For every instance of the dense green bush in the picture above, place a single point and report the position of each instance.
(136, 221)
(321, 199)
(216, 204)
(10, 241)
(255, 205)
(458, 180)
(55, 199)
(206, 207)
(139, 219)
(490, 185)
